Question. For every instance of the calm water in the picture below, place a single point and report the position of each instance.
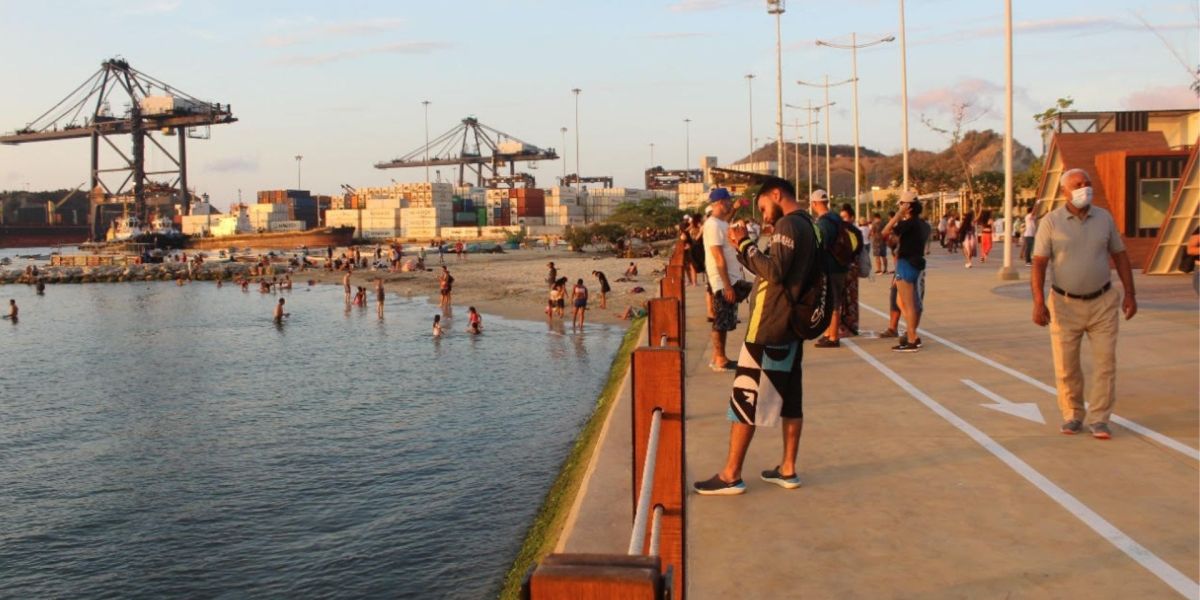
(159, 441)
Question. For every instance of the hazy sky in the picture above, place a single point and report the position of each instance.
(342, 82)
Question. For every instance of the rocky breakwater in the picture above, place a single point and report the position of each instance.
(116, 274)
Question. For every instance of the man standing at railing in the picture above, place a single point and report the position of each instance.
(767, 388)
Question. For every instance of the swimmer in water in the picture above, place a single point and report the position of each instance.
(12, 311)
(279, 314)
(437, 326)
(474, 321)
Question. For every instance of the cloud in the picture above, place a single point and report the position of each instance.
(1066, 25)
(975, 92)
(688, 6)
(1160, 98)
(155, 7)
(394, 48)
(233, 165)
(671, 35)
(314, 32)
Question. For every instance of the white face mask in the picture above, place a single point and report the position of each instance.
(1082, 197)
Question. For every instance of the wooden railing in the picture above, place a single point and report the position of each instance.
(654, 567)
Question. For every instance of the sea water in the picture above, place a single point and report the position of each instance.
(171, 441)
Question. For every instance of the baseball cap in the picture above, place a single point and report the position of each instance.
(719, 194)
(819, 196)
(708, 210)
(908, 196)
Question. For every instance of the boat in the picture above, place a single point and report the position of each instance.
(36, 236)
(312, 238)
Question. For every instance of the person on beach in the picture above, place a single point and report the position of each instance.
(913, 232)
(631, 271)
(346, 285)
(458, 249)
(558, 295)
(579, 298)
(445, 285)
(604, 288)
(724, 272)
(360, 297)
(551, 273)
(13, 311)
(437, 326)
(380, 295)
(1079, 239)
(279, 314)
(767, 389)
(474, 321)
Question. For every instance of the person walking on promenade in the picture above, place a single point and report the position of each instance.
(864, 233)
(696, 231)
(830, 225)
(445, 285)
(912, 232)
(847, 317)
(1029, 234)
(604, 288)
(879, 244)
(966, 236)
(952, 234)
(985, 235)
(724, 271)
(579, 299)
(941, 230)
(768, 386)
(1078, 239)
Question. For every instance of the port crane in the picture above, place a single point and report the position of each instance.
(153, 106)
(473, 146)
(572, 179)
(658, 178)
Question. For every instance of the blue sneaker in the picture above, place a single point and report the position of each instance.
(719, 487)
(789, 482)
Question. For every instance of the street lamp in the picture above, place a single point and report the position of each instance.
(750, 111)
(426, 104)
(298, 159)
(827, 85)
(1007, 271)
(775, 7)
(564, 158)
(812, 121)
(578, 173)
(904, 95)
(652, 165)
(687, 136)
(854, 47)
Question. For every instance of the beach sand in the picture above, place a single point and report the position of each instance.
(513, 285)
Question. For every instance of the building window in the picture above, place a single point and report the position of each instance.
(1154, 198)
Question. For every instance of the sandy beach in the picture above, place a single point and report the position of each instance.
(512, 284)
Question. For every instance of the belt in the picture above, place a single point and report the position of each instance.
(1091, 296)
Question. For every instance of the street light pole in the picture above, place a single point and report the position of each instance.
(298, 159)
(750, 111)
(564, 158)
(687, 136)
(854, 48)
(578, 173)
(652, 165)
(904, 95)
(827, 85)
(776, 7)
(1007, 271)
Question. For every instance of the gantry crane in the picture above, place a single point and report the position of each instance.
(572, 179)
(464, 146)
(153, 106)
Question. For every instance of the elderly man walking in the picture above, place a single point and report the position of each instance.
(1077, 239)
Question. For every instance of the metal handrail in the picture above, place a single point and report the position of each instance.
(656, 529)
(638, 538)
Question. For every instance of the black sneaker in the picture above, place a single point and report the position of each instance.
(889, 333)
(1071, 427)
(789, 482)
(719, 487)
(905, 346)
(824, 342)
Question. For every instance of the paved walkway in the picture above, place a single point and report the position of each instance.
(915, 488)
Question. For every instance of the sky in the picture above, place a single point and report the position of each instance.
(341, 83)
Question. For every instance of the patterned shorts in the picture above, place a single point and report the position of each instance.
(768, 384)
(724, 313)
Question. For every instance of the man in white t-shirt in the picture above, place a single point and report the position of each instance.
(1028, 236)
(724, 272)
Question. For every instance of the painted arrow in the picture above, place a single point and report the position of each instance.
(1028, 411)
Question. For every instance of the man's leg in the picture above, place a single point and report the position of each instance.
(1066, 333)
(740, 436)
(1102, 333)
(718, 342)
(905, 298)
(791, 445)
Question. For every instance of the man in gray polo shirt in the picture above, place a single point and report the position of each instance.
(1077, 239)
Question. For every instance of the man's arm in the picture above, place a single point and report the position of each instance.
(1037, 284)
(773, 266)
(719, 259)
(1125, 272)
(891, 224)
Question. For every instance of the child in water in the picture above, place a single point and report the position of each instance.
(474, 321)
(437, 326)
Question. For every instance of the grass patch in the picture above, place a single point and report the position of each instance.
(543, 533)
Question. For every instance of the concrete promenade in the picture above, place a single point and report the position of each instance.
(942, 474)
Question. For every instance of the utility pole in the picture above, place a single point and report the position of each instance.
(298, 159)
(426, 104)
(578, 173)
(854, 48)
(775, 7)
(750, 112)
(827, 85)
(904, 95)
(652, 165)
(1007, 271)
(687, 135)
(564, 158)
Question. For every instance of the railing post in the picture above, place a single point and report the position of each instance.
(672, 286)
(657, 375)
(598, 576)
(665, 321)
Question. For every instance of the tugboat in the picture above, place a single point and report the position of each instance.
(129, 230)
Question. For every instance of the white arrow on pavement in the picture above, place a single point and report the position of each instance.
(1028, 410)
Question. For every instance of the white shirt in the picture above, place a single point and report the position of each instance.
(865, 229)
(716, 235)
(1030, 225)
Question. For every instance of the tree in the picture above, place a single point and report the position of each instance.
(1031, 177)
(1046, 119)
(960, 115)
(650, 213)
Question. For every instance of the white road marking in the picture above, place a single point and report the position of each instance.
(1026, 410)
(1155, 436)
(1177, 580)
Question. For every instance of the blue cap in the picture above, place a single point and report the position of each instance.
(719, 194)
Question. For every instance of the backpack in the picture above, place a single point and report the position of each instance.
(812, 308)
(846, 245)
(864, 260)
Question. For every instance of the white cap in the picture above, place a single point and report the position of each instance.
(908, 196)
(819, 196)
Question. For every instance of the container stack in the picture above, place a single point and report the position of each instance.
(498, 206)
(345, 217)
(563, 206)
(528, 205)
(693, 196)
(420, 223)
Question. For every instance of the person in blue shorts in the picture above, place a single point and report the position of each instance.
(913, 233)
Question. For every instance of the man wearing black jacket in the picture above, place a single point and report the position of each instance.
(767, 387)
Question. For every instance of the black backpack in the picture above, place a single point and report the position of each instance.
(846, 244)
(812, 306)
